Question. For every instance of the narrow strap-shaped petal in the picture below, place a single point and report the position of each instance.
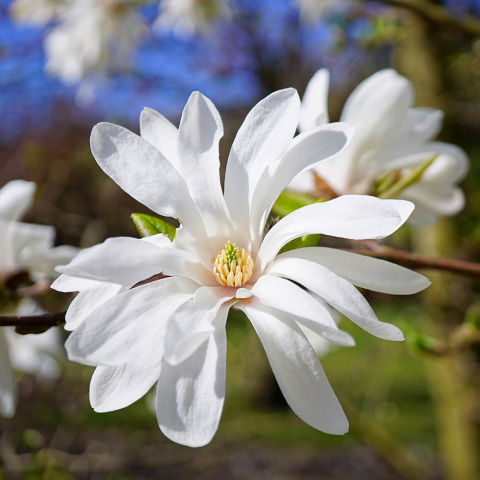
(362, 271)
(8, 390)
(129, 327)
(297, 370)
(66, 283)
(87, 301)
(284, 295)
(263, 138)
(314, 108)
(162, 134)
(357, 217)
(43, 262)
(126, 261)
(336, 291)
(378, 101)
(438, 199)
(406, 155)
(190, 395)
(424, 123)
(145, 174)
(199, 135)
(15, 199)
(191, 324)
(305, 150)
(113, 388)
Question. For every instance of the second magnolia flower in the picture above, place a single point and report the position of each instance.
(172, 331)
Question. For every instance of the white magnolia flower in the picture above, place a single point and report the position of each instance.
(390, 135)
(37, 12)
(191, 16)
(92, 36)
(172, 331)
(25, 247)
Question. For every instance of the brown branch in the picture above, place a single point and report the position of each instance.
(439, 15)
(33, 323)
(411, 260)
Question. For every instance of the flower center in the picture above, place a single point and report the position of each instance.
(233, 266)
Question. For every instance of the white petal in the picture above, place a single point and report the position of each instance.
(8, 391)
(43, 262)
(284, 295)
(314, 108)
(34, 354)
(336, 291)
(190, 395)
(144, 173)
(426, 123)
(304, 182)
(200, 132)
(297, 370)
(449, 167)
(87, 301)
(305, 150)
(437, 199)
(30, 243)
(66, 283)
(378, 102)
(357, 217)
(113, 388)
(263, 138)
(16, 198)
(362, 271)
(191, 324)
(127, 261)
(130, 327)
(162, 134)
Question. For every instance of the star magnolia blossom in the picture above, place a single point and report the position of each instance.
(26, 247)
(172, 331)
(389, 135)
(92, 36)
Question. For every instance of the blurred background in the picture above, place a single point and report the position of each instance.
(414, 407)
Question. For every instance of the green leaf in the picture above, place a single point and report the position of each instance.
(148, 226)
(301, 242)
(288, 201)
(411, 177)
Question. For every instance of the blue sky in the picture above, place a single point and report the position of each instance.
(167, 68)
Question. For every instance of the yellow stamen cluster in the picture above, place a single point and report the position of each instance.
(233, 266)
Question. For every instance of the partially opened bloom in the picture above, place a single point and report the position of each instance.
(390, 136)
(29, 248)
(172, 331)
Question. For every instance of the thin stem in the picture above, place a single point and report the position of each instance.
(33, 322)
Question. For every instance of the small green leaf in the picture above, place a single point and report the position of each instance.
(301, 242)
(288, 201)
(411, 177)
(148, 226)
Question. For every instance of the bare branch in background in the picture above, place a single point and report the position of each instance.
(439, 15)
(411, 260)
(33, 323)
